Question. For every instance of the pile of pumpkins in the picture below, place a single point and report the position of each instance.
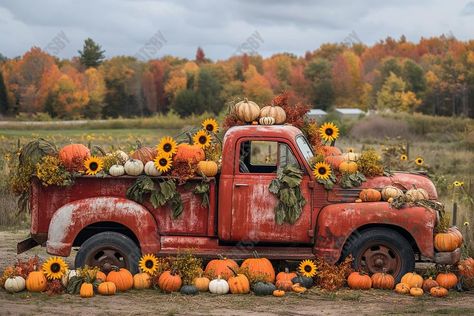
(411, 283)
(389, 192)
(250, 112)
(344, 162)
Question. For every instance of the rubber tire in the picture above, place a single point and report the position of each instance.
(356, 245)
(126, 246)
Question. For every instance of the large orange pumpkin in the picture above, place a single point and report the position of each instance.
(189, 153)
(382, 281)
(36, 282)
(238, 283)
(348, 167)
(446, 242)
(412, 279)
(455, 231)
(141, 281)
(359, 281)
(447, 280)
(220, 267)
(466, 267)
(334, 161)
(122, 279)
(73, 156)
(170, 281)
(107, 288)
(330, 151)
(370, 195)
(259, 268)
(144, 154)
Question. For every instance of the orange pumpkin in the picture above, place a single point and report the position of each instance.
(330, 151)
(274, 111)
(348, 167)
(208, 168)
(278, 293)
(455, 231)
(122, 278)
(283, 280)
(334, 161)
(428, 284)
(220, 267)
(107, 288)
(170, 281)
(359, 281)
(416, 291)
(202, 283)
(402, 288)
(370, 195)
(189, 153)
(259, 268)
(238, 283)
(101, 276)
(36, 282)
(446, 242)
(284, 284)
(141, 281)
(143, 153)
(73, 156)
(466, 267)
(87, 290)
(447, 280)
(382, 281)
(439, 291)
(412, 279)
(297, 288)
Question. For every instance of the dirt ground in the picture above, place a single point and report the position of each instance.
(315, 302)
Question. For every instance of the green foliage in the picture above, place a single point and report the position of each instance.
(395, 96)
(164, 192)
(91, 54)
(4, 106)
(352, 180)
(287, 189)
(202, 189)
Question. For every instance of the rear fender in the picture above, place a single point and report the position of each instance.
(337, 222)
(70, 219)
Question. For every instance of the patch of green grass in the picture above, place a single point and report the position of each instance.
(453, 311)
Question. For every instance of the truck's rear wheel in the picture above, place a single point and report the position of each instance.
(107, 250)
(379, 250)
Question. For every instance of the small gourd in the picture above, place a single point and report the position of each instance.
(263, 288)
(133, 167)
(266, 120)
(390, 191)
(416, 291)
(117, 170)
(218, 286)
(150, 169)
(189, 290)
(87, 290)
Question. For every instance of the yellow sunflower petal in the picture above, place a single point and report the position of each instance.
(163, 162)
(322, 171)
(54, 268)
(167, 145)
(419, 161)
(403, 157)
(307, 268)
(210, 125)
(202, 139)
(148, 264)
(329, 132)
(93, 165)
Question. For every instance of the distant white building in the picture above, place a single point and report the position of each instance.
(315, 114)
(349, 112)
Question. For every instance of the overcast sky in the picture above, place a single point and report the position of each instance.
(127, 27)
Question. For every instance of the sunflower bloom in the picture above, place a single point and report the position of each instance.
(202, 139)
(163, 163)
(54, 268)
(419, 161)
(148, 264)
(93, 165)
(403, 157)
(458, 184)
(329, 131)
(322, 171)
(167, 145)
(210, 125)
(307, 268)
(466, 224)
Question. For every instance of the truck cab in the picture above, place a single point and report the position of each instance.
(95, 216)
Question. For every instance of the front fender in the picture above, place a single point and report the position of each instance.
(71, 218)
(338, 221)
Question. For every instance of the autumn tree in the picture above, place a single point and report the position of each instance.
(200, 56)
(256, 87)
(3, 96)
(91, 54)
(319, 73)
(394, 96)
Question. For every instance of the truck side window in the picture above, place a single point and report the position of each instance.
(287, 157)
(258, 157)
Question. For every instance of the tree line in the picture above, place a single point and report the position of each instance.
(434, 76)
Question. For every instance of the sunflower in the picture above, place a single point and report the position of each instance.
(329, 131)
(163, 162)
(403, 157)
(167, 146)
(350, 150)
(148, 264)
(419, 161)
(322, 171)
(210, 125)
(307, 268)
(54, 268)
(202, 139)
(93, 165)
(466, 224)
(458, 183)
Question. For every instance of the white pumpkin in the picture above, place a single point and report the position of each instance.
(415, 194)
(14, 284)
(266, 120)
(151, 170)
(219, 286)
(274, 111)
(67, 276)
(247, 111)
(351, 156)
(390, 192)
(117, 170)
(133, 167)
(123, 156)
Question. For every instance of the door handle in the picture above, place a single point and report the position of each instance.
(241, 185)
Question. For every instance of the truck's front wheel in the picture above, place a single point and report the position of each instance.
(381, 250)
(108, 250)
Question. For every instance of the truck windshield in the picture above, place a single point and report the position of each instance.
(305, 148)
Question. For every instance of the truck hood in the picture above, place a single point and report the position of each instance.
(404, 181)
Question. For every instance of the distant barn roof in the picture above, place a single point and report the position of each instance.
(317, 112)
(349, 111)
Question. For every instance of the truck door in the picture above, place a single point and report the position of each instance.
(253, 216)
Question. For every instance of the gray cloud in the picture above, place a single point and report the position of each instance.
(122, 27)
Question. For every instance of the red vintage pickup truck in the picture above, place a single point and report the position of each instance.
(109, 229)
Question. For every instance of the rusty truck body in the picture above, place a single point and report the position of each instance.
(95, 216)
